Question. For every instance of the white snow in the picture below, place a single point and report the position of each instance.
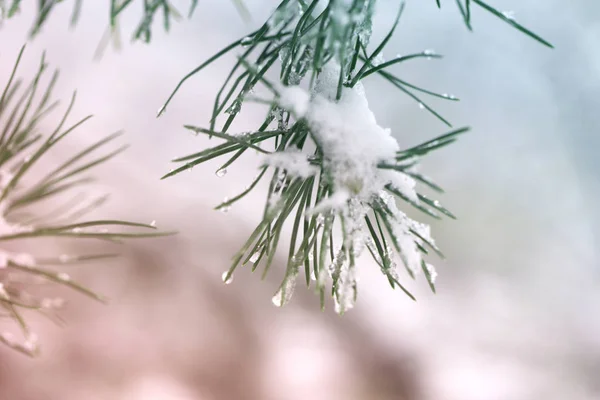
(379, 59)
(345, 292)
(432, 273)
(25, 259)
(335, 202)
(294, 99)
(352, 142)
(353, 146)
(3, 293)
(293, 161)
(63, 276)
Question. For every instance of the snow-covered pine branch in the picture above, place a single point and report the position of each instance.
(334, 168)
(34, 207)
(335, 171)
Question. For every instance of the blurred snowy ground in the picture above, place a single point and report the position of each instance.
(516, 314)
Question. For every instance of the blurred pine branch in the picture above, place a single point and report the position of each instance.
(143, 31)
(24, 107)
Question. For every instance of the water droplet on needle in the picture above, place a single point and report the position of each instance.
(221, 172)
(226, 280)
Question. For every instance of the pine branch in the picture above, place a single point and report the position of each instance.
(322, 54)
(21, 149)
(338, 204)
(143, 31)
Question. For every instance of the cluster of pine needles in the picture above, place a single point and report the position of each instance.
(36, 206)
(298, 40)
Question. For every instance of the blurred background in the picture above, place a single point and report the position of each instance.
(517, 313)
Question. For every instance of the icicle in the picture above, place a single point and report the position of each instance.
(345, 293)
(285, 291)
